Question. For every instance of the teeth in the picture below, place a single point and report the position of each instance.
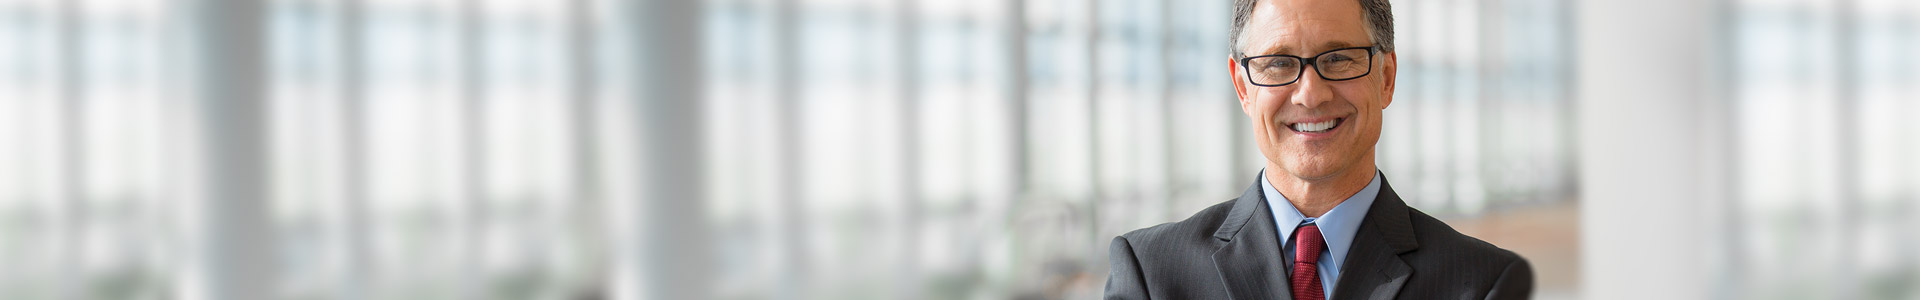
(1315, 127)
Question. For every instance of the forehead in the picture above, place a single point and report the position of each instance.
(1303, 27)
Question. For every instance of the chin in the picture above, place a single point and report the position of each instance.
(1311, 168)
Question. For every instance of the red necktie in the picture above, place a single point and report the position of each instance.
(1306, 253)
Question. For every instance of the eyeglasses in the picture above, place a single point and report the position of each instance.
(1336, 65)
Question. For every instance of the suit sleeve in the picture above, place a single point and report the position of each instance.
(1516, 282)
(1124, 279)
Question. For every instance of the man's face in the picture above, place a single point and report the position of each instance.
(1306, 28)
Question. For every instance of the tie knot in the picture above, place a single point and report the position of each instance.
(1307, 244)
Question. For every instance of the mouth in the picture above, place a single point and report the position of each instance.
(1317, 127)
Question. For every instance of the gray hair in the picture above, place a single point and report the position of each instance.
(1378, 13)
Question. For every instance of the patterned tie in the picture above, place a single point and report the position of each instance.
(1306, 253)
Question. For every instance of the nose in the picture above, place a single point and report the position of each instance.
(1311, 90)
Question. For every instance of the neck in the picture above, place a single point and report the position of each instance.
(1315, 196)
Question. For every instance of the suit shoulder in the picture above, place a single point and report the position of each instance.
(1200, 225)
(1435, 234)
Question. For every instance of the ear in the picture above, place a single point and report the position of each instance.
(1391, 68)
(1239, 88)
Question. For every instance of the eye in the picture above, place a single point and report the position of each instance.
(1279, 63)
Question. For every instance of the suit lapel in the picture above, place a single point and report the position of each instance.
(1373, 269)
(1249, 263)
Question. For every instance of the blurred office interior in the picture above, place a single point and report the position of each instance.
(912, 149)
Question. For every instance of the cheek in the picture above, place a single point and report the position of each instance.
(1361, 96)
(1264, 109)
(1266, 100)
(1273, 101)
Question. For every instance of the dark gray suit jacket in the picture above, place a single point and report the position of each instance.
(1232, 251)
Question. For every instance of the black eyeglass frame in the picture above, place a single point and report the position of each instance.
(1371, 51)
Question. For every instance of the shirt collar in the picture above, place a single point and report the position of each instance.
(1337, 226)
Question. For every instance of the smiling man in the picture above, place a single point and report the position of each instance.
(1320, 222)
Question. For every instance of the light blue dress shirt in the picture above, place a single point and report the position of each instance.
(1337, 226)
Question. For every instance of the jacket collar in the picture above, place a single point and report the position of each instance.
(1249, 262)
(1374, 268)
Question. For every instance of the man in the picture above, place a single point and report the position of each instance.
(1320, 222)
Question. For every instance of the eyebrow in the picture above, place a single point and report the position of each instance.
(1290, 51)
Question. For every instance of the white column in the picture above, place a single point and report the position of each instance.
(912, 205)
(472, 212)
(669, 223)
(790, 106)
(71, 133)
(357, 278)
(586, 160)
(1649, 119)
(232, 253)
